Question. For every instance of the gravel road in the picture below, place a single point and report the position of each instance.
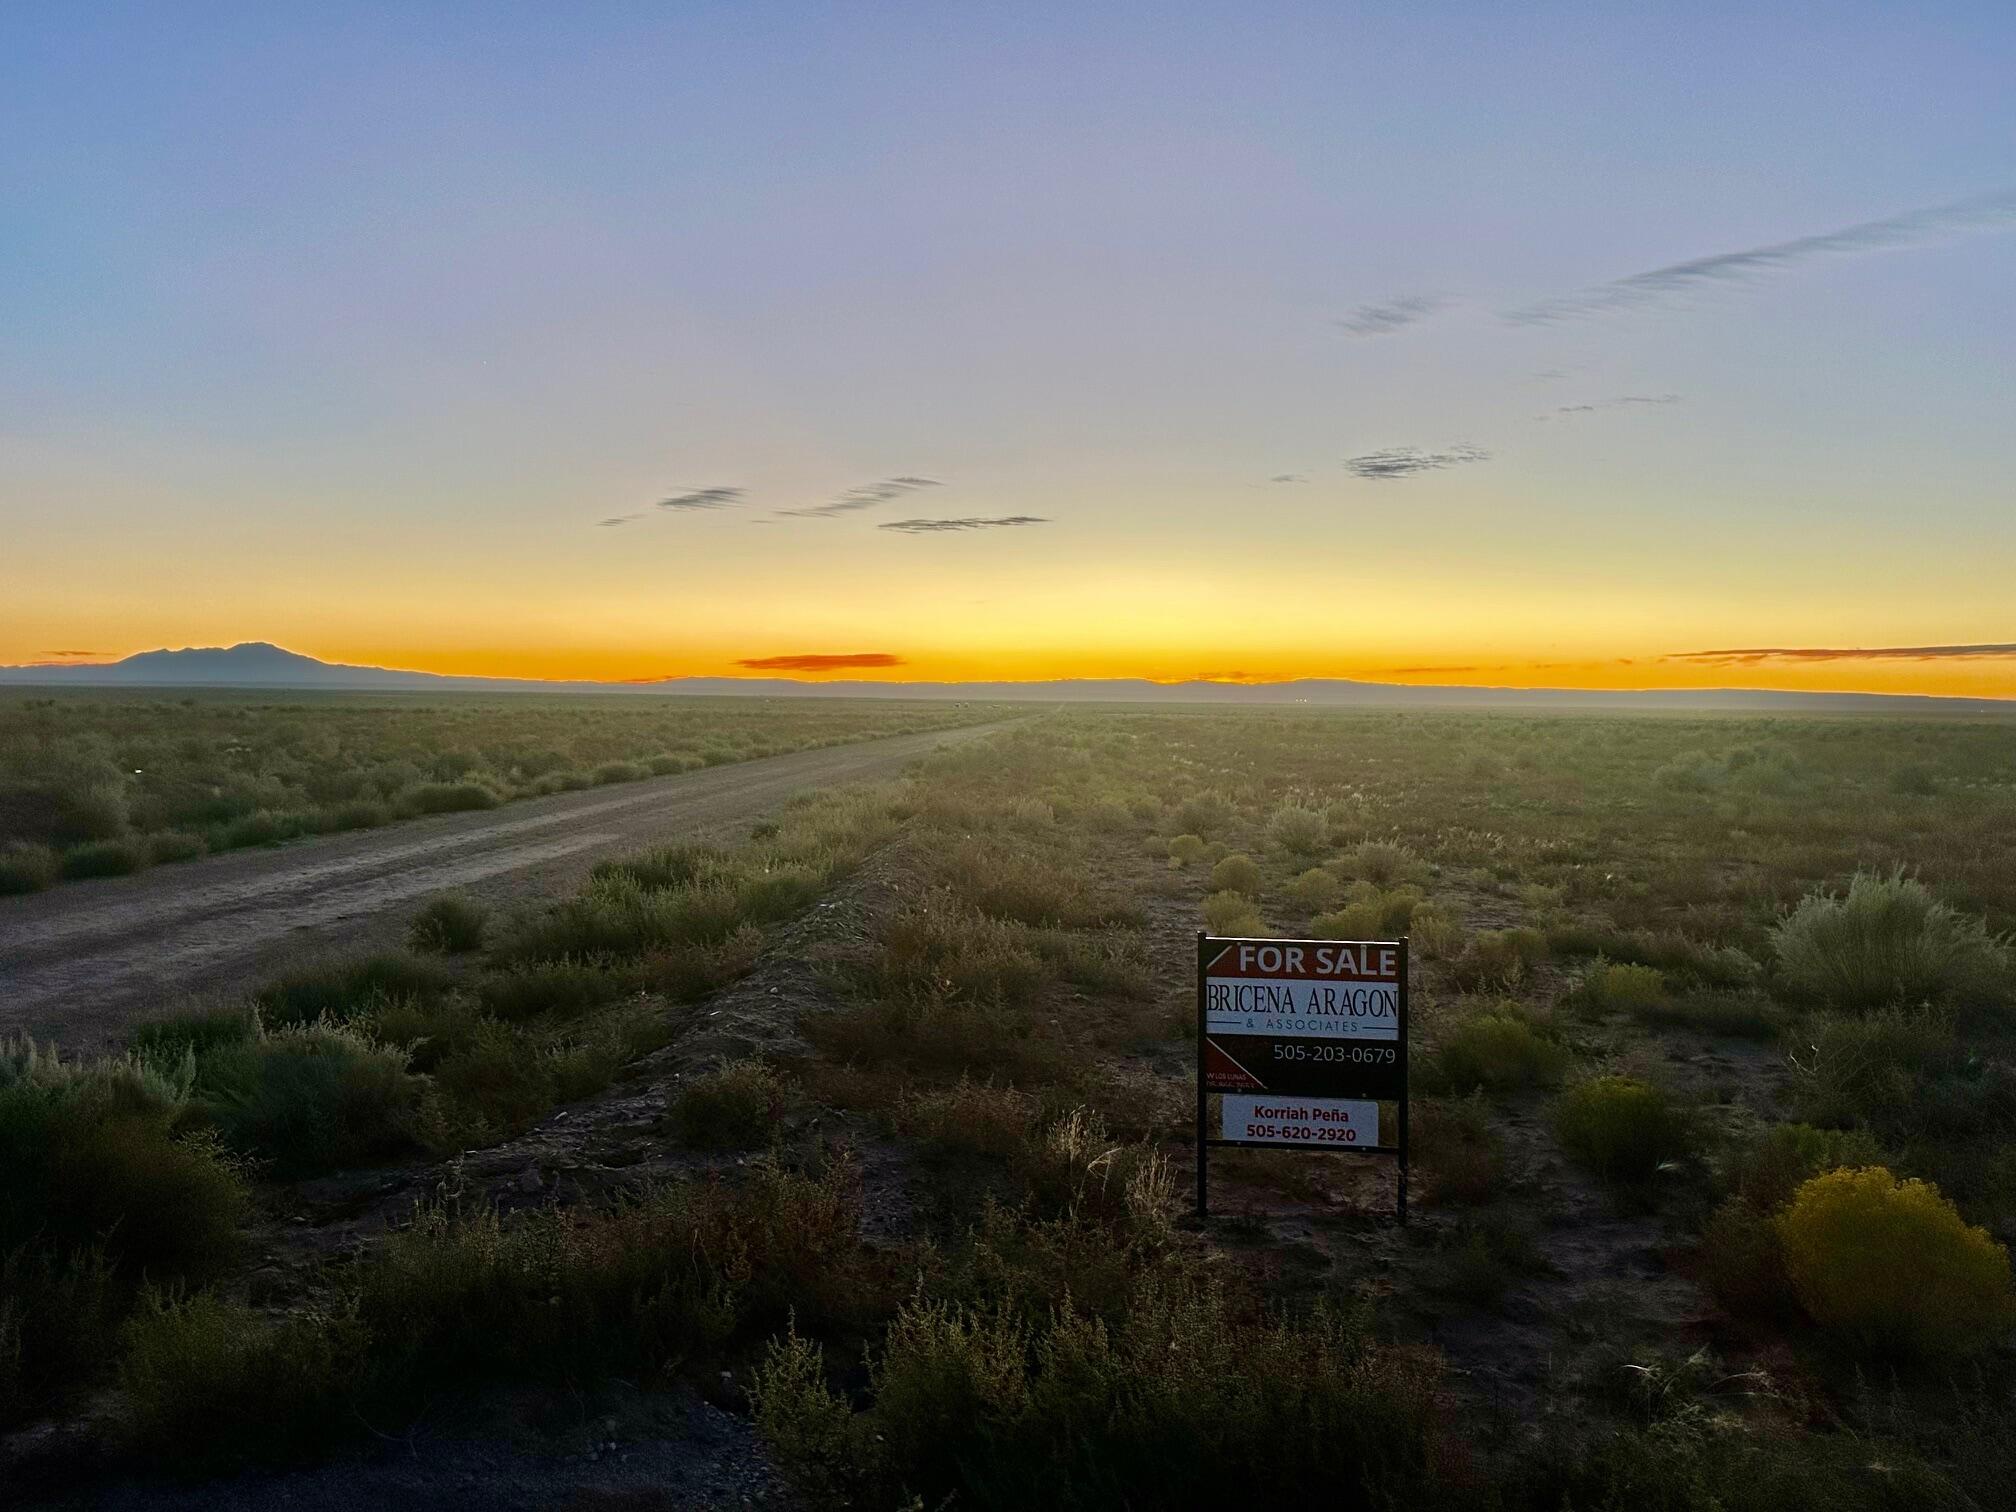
(81, 962)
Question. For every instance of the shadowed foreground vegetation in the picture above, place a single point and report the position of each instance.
(1721, 1006)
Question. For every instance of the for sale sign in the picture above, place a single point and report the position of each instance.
(1318, 1017)
(1299, 1044)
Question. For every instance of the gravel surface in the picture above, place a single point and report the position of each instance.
(80, 963)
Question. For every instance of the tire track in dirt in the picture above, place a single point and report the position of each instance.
(82, 962)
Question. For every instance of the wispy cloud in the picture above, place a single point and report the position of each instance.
(1393, 315)
(929, 527)
(1288, 478)
(77, 653)
(705, 498)
(1657, 285)
(867, 496)
(691, 499)
(1745, 655)
(820, 661)
(1406, 461)
(1622, 401)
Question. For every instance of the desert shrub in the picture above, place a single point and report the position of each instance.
(90, 1157)
(497, 1080)
(451, 923)
(1612, 987)
(1494, 1051)
(940, 950)
(174, 845)
(358, 813)
(262, 827)
(667, 866)
(1869, 1068)
(164, 1042)
(1740, 1015)
(1233, 914)
(1457, 1156)
(1297, 830)
(1887, 941)
(59, 1324)
(1913, 781)
(1078, 1168)
(669, 1273)
(284, 1385)
(104, 858)
(344, 986)
(674, 761)
(1667, 950)
(448, 798)
(1892, 1265)
(690, 972)
(1435, 929)
(1742, 1258)
(1484, 1262)
(27, 867)
(1185, 1399)
(1621, 1129)
(1384, 863)
(1689, 772)
(970, 1118)
(1499, 958)
(1236, 874)
(1185, 849)
(428, 1029)
(313, 1097)
(1205, 814)
(563, 988)
(733, 1107)
(1316, 890)
(618, 771)
(1018, 885)
(1117, 967)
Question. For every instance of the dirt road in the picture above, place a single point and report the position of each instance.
(80, 963)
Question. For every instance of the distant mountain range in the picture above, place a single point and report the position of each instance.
(256, 664)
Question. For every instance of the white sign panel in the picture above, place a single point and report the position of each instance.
(1316, 1121)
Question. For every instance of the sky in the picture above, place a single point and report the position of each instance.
(1538, 345)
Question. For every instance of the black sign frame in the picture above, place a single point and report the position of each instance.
(1391, 1084)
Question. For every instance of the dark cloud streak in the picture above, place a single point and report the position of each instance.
(1916, 227)
(866, 497)
(1406, 461)
(1744, 655)
(932, 527)
(1393, 315)
(827, 661)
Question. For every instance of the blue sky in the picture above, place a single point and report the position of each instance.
(343, 326)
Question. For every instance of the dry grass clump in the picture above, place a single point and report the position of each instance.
(1499, 959)
(448, 798)
(27, 867)
(1297, 830)
(450, 924)
(734, 1107)
(342, 987)
(1185, 849)
(1371, 913)
(1456, 1155)
(1892, 1265)
(307, 1098)
(1888, 941)
(1384, 863)
(100, 1187)
(1496, 1051)
(104, 858)
(970, 1119)
(1025, 887)
(1622, 1129)
(1184, 1398)
(286, 1385)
